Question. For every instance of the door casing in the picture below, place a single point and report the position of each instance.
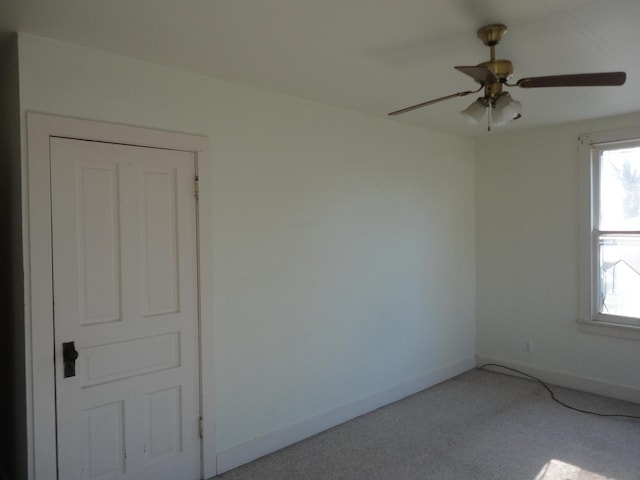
(39, 334)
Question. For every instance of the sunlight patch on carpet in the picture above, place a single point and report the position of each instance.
(559, 470)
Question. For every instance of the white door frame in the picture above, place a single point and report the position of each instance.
(39, 334)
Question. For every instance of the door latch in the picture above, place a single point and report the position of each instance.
(69, 357)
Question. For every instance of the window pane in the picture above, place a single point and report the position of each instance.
(620, 189)
(620, 275)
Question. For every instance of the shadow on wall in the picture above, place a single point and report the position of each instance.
(12, 401)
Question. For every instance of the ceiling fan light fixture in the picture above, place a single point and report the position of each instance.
(474, 112)
(506, 110)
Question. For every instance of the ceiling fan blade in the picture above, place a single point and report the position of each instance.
(431, 102)
(480, 73)
(606, 79)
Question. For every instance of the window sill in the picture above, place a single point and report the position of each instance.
(629, 332)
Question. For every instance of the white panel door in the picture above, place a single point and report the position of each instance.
(125, 292)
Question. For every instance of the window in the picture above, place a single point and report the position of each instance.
(609, 253)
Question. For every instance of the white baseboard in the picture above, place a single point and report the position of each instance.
(568, 380)
(283, 437)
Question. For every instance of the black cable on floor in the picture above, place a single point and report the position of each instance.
(553, 396)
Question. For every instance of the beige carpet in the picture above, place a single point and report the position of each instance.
(480, 425)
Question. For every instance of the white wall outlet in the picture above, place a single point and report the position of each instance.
(527, 345)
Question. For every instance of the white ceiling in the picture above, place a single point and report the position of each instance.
(372, 56)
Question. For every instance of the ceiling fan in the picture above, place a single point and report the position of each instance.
(494, 74)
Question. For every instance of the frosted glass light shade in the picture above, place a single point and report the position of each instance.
(506, 110)
(474, 112)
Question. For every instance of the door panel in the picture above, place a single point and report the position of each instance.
(162, 423)
(119, 360)
(99, 247)
(104, 451)
(125, 291)
(160, 242)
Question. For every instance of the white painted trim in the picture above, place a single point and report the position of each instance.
(272, 441)
(613, 136)
(586, 268)
(569, 380)
(628, 332)
(38, 276)
(205, 271)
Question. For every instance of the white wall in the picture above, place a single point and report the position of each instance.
(343, 243)
(527, 271)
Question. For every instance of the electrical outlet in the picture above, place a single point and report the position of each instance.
(527, 345)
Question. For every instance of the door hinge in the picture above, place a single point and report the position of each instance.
(201, 427)
(197, 187)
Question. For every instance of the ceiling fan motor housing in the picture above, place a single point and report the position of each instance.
(491, 35)
(503, 69)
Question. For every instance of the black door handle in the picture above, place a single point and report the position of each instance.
(69, 357)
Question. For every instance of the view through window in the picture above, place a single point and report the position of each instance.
(616, 222)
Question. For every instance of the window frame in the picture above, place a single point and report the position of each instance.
(589, 318)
